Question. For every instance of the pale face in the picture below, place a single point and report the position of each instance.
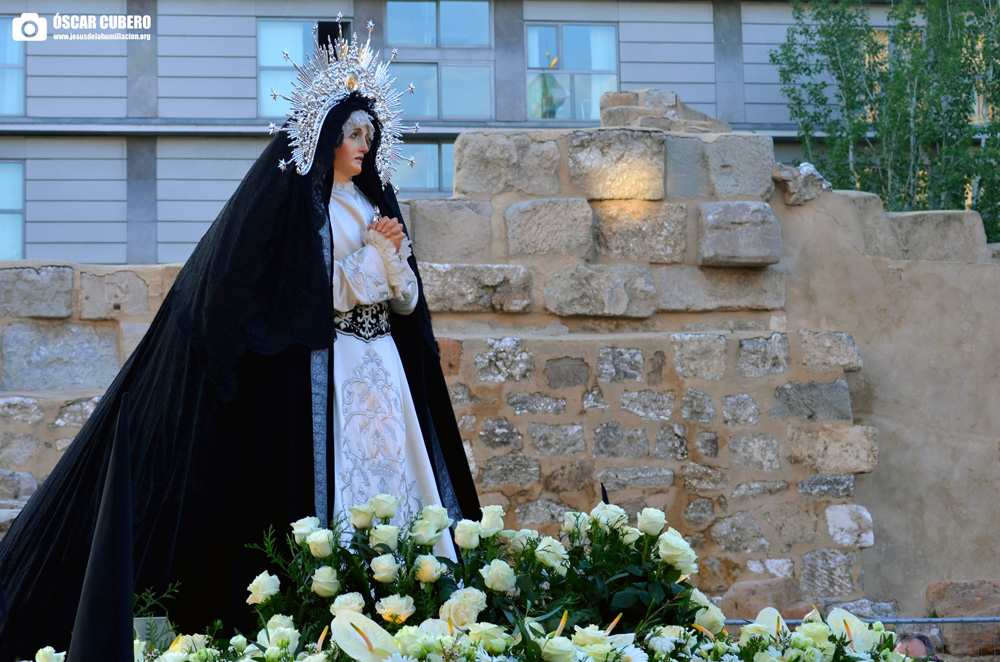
(912, 649)
(349, 156)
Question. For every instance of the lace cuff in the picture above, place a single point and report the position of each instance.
(402, 282)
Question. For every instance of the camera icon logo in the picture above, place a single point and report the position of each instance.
(30, 27)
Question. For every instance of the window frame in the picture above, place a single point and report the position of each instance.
(529, 71)
(491, 66)
(437, 28)
(441, 188)
(24, 203)
(24, 74)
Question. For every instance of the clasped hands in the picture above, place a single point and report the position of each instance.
(391, 229)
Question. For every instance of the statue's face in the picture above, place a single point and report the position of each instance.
(351, 153)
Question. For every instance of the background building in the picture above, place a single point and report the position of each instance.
(115, 151)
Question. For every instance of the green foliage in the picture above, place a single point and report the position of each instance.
(897, 116)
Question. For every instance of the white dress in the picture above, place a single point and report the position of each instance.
(378, 446)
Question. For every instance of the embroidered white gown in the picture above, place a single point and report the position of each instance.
(378, 446)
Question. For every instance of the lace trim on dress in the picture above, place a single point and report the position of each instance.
(396, 268)
(364, 322)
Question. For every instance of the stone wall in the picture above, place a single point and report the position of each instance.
(664, 312)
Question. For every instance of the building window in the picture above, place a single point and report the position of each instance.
(11, 210)
(569, 67)
(274, 71)
(11, 71)
(448, 91)
(433, 168)
(442, 23)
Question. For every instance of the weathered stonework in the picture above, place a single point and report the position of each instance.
(740, 534)
(617, 164)
(697, 406)
(132, 334)
(505, 361)
(113, 295)
(739, 411)
(555, 226)
(557, 439)
(17, 449)
(795, 524)
(511, 469)
(622, 478)
(800, 185)
(477, 288)
(758, 488)
(725, 166)
(850, 525)
(653, 232)
(40, 357)
(594, 399)
(534, 403)
(17, 409)
(499, 433)
(573, 477)
(602, 291)
(826, 350)
(738, 234)
(693, 289)
(828, 573)
(466, 223)
(613, 440)
(834, 449)
(700, 512)
(482, 163)
(763, 356)
(828, 486)
(701, 479)
(36, 292)
(617, 364)
(76, 413)
(755, 451)
(707, 444)
(812, 401)
(671, 443)
(566, 371)
(699, 356)
(648, 405)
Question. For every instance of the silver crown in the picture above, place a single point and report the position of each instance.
(328, 77)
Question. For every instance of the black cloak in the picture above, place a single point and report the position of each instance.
(221, 413)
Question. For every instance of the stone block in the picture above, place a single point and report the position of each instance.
(618, 364)
(699, 356)
(483, 163)
(467, 423)
(763, 356)
(535, 403)
(744, 600)
(795, 524)
(740, 534)
(460, 395)
(499, 433)
(613, 99)
(694, 289)
(601, 290)
(623, 478)
(611, 439)
(132, 335)
(739, 411)
(701, 479)
(838, 486)
(594, 399)
(113, 295)
(76, 412)
(538, 512)
(799, 185)
(967, 598)
(17, 449)
(755, 451)
(450, 354)
(466, 224)
(697, 406)
(553, 226)
(574, 477)
(646, 231)
(17, 485)
(566, 371)
(510, 469)
(834, 449)
(671, 443)
(758, 488)
(813, 401)
(17, 409)
(627, 115)
(36, 292)
(828, 573)
(700, 512)
(41, 357)
(648, 405)
(850, 525)
(866, 608)
(948, 235)
(707, 444)
(558, 439)
(476, 288)
(830, 349)
(738, 234)
(724, 166)
(505, 361)
(617, 164)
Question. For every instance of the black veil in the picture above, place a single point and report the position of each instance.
(221, 420)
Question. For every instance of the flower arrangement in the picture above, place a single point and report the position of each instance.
(603, 591)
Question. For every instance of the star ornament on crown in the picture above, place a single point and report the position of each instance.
(330, 75)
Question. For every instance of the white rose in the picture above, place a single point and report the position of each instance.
(385, 569)
(49, 654)
(608, 515)
(597, 652)
(384, 505)
(575, 523)
(424, 533)
(278, 637)
(492, 637)
(429, 569)
(303, 527)
(384, 534)
(467, 534)
(273, 654)
(463, 607)
(395, 608)
(630, 535)
(711, 618)
(498, 576)
(652, 521)
(239, 642)
(262, 588)
(407, 638)
(592, 634)
(673, 549)
(438, 516)
(325, 583)
(280, 621)
(361, 517)
(559, 649)
(551, 553)
(318, 657)
(349, 602)
(521, 539)
(320, 543)
(492, 521)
